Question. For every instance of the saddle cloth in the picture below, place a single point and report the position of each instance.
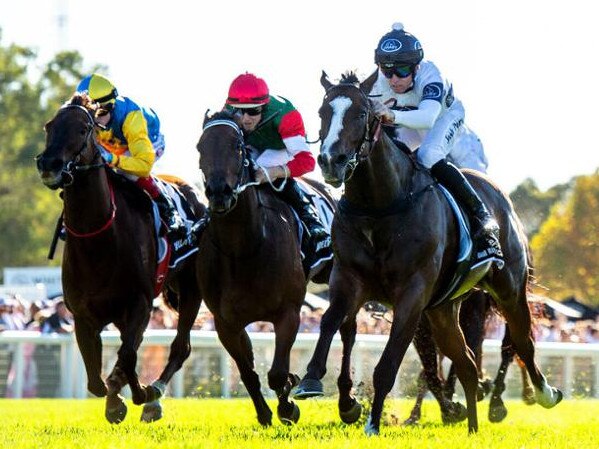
(326, 212)
(467, 273)
(171, 254)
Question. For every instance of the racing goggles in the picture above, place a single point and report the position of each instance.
(400, 71)
(252, 112)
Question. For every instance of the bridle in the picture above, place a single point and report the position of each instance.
(74, 166)
(246, 161)
(371, 135)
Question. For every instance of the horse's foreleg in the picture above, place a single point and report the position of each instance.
(238, 345)
(279, 378)
(427, 350)
(343, 294)
(189, 305)
(132, 329)
(449, 338)
(350, 409)
(90, 346)
(406, 315)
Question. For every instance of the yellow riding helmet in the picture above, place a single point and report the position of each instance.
(99, 88)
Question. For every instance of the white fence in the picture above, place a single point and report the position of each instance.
(34, 365)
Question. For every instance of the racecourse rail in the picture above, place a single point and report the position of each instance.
(567, 365)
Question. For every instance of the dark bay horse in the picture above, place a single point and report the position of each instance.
(249, 267)
(109, 261)
(395, 241)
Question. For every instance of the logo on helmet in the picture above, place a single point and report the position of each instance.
(417, 45)
(390, 45)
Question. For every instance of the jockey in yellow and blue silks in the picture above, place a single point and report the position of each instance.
(130, 140)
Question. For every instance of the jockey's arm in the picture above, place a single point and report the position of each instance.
(293, 133)
(142, 157)
(422, 118)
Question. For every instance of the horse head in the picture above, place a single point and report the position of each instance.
(224, 161)
(347, 128)
(69, 142)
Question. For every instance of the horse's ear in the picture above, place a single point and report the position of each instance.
(206, 117)
(366, 85)
(324, 81)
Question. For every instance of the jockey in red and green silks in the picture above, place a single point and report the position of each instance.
(131, 142)
(274, 130)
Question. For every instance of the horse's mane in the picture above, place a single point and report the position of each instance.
(349, 77)
(225, 114)
(79, 99)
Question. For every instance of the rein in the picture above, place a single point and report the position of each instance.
(107, 225)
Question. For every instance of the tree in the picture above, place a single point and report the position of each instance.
(566, 248)
(533, 206)
(28, 210)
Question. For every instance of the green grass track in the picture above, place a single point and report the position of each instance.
(215, 423)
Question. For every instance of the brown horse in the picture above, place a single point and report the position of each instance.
(249, 267)
(109, 261)
(395, 241)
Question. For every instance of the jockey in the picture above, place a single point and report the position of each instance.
(274, 130)
(413, 96)
(130, 141)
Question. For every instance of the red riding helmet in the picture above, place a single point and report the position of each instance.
(248, 91)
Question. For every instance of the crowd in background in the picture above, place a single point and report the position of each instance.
(53, 317)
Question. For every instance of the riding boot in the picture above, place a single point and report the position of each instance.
(176, 229)
(485, 230)
(319, 239)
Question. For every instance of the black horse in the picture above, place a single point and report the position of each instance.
(250, 267)
(110, 259)
(395, 241)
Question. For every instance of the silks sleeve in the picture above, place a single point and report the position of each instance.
(142, 157)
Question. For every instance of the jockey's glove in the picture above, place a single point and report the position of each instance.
(383, 111)
(107, 155)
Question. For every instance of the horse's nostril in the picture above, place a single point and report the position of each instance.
(340, 159)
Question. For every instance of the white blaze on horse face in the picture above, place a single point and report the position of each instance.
(339, 105)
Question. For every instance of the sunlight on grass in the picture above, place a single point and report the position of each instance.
(214, 423)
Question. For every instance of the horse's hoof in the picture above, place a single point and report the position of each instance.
(455, 413)
(370, 429)
(152, 411)
(411, 421)
(497, 413)
(484, 388)
(266, 419)
(98, 389)
(288, 413)
(353, 414)
(549, 397)
(116, 415)
(528, 396)
(308, 388)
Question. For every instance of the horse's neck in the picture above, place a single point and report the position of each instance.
(384, 177)
(240, 230)
(87, 202)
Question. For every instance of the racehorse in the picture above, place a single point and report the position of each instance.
(250, 268)
(110, 259)
(395, 242)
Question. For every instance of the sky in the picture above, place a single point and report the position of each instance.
(525, 70)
